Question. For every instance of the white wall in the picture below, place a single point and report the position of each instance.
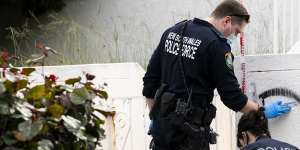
(272, 71)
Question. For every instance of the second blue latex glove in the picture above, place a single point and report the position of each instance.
(276, 109)
(152, 127)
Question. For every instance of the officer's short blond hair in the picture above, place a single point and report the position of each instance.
(231, 8)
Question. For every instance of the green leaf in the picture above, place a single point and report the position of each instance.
(14, 70)
(71, 123)
(30, 129)
(25, 130)
(80, 95)
(88, 85)
(25, 111)
(9, 138)
(9, 86)
(20, 84)
(49, 96)
(5, 108)
(98, 122)
(27, 71)
(36, 93)
(37, 126)
(90, 138)
(45, 145)
(75, 127)
(45, 129)
(13, 87)
(2, 88)
(19, 136)
(101, 94)
(105, 112)
(77, 145)
(72, 81)
(92, 130)
(1, 61)
(56, 110)
(48, 83)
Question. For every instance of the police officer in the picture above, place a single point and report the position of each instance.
(253, 134)
(195, 55)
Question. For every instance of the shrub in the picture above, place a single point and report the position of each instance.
(49, 115)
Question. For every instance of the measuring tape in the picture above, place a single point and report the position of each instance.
(242, 61)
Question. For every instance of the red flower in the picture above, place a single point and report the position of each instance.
(4, 58)
(89, 76)
(5, 55)
(53, 78)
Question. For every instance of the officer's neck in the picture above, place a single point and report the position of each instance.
(252, 138)
(217, 23)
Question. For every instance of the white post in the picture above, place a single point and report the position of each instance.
(275, 27)
(292, 9)
(298, 18)
(284, 31)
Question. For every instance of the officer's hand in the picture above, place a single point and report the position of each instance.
(152, 127)
(276, 109)
(150, 103)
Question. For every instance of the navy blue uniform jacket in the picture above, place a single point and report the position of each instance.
(207, 62)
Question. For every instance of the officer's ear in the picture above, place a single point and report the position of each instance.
(227, 19)
(245, 138)
(241, 139)
(242, 143)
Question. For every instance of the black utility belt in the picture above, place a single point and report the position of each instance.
(198, 115)
(192, 121)
(178, 120)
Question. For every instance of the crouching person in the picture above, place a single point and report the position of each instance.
(253, 133)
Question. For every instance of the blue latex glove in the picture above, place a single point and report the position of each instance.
(276, 109)
(151, 127)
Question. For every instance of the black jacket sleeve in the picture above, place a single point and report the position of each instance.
(221, 69)
(152, 78)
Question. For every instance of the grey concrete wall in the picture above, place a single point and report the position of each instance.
(96, 31)
(122, 30)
